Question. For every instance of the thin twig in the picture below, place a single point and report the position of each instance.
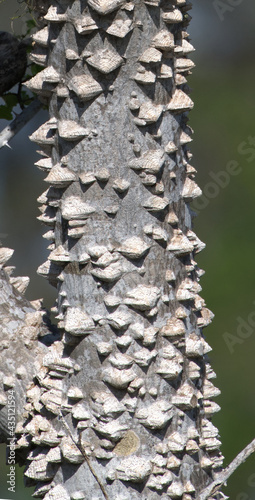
(226, 473)
(83, 452)
(19, 122)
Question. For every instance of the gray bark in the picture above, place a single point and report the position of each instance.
(121, 406)
(25, 334)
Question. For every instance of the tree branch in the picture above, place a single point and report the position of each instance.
(226, 473)
(19, 122)
(83, 452)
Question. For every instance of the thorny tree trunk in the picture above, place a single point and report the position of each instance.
(129, 380)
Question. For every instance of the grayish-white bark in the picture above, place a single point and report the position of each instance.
(121, 406)
(25, 334)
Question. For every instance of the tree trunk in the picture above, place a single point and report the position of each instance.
(129, 382)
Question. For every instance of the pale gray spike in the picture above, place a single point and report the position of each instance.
(20, 283)
(5, 255)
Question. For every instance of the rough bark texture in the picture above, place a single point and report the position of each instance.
(25, 334)
(129, 381)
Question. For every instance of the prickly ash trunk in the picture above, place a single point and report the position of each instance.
(129, 381)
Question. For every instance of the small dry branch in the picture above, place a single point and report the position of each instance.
(19, 122)
(83, 452)
(226, 473)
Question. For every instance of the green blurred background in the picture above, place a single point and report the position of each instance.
(223, 86)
